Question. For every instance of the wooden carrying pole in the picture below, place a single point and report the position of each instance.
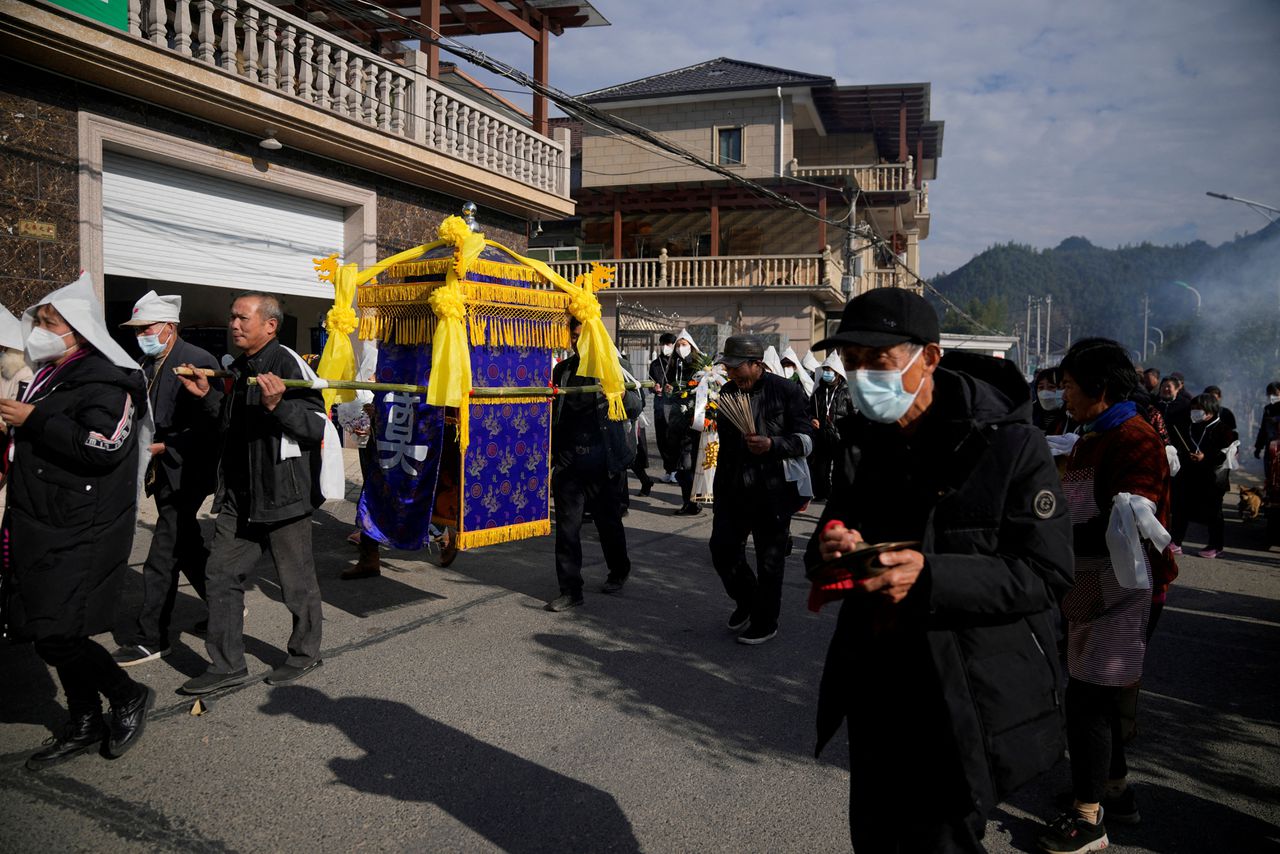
(408, 388)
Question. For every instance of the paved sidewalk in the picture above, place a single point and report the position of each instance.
(454, 714)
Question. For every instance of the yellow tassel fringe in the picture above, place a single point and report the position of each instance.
(503, 534)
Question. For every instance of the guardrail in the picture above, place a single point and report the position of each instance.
(771, 271)
(261, 44)
(877, 178)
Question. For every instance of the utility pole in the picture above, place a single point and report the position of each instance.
(1026, 351)
(1068, 336)
(1048, 325)
(1039, 337)
(1146, 316)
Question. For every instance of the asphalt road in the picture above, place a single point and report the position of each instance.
(453, 714)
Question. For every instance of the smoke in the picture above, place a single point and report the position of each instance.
(1233, 341)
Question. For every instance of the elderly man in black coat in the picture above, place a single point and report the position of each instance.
(944, 662)
(68, 527)
(756, 488)
(179, 476)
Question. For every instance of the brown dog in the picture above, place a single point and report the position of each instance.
(1250, 502)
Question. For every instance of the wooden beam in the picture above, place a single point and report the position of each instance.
(541, 74)
(902, 132)
(505, 14)
(715, 222)
(822, 223)
(617, 225)
(459, 16)
(429, 14)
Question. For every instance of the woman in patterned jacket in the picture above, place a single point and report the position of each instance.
(1107, 611)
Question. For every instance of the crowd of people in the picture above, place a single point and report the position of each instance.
(978, 531)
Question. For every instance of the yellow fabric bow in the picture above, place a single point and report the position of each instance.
(338, 361)
(450, 382)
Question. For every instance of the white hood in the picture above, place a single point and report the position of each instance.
(836, 363)
(10, 331)
(803, 374)
(772, 363)
(80, 308)
(811, 363)
(684, 334)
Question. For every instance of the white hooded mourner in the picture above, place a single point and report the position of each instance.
(14, 370)
(802, 373)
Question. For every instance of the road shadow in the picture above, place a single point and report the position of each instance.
(30, 693)
(517, 805)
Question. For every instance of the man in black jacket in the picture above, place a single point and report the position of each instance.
(267, 491)
(179, 477)
(662, 371)
(590, 455)
(943, 663)
(756, 489)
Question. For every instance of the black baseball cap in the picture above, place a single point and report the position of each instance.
(742, 348)
(883, 317)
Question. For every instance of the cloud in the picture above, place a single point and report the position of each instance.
(1105, 119)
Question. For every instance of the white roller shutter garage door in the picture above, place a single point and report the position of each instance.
(162, 222)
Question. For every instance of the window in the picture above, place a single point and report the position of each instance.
(728, 146)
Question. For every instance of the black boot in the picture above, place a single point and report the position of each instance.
(83, 732)
(127, 721)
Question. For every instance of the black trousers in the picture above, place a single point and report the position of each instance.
(176, 546)
(1094, 737)
(86, 670)
(667, 449)
(820, 472)
(734, 520)
(1212, 518)
(588, 489)
(237, 545)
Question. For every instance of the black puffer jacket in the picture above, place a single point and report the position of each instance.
(782, 415)
(278, 489)
(71, 501)
(976, 484)
(584, 419)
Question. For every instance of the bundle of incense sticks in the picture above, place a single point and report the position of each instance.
(736, 407)
(203, 372)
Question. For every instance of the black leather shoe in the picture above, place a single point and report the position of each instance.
(613, 586)
(127, 722)
(646, 488)
(211, 680)
(286, 673)
(81, 733)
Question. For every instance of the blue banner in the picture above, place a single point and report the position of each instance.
(405, 443)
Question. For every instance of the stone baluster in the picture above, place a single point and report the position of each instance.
(398, 97)
(384, 99)
(205, 38)
(482, 140)
(228, 47)
(662, 267)
(451, 127)
(340, 81)
(324, 77)
(270, 76)
(156, 20)
(252, 66)
(182, 27)
(306, 72)
(288, 62)
(355, 86)
(370, 112)
(135, 18)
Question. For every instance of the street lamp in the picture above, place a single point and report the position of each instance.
(1266, 210)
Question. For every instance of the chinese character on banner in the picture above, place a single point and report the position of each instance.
(397, 438)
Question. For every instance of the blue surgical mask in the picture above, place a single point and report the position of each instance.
(1050, 400)
(879, 395)
(150, 345)
(828, 375)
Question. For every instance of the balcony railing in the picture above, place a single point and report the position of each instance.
(261, 44)
(794, 272)
(878, 178)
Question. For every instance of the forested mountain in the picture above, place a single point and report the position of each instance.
(1234, 336)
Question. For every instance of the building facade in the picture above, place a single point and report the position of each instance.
(691, 243)
(204, 147)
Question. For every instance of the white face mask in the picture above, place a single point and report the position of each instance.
(880, 396)
(1050, 400)
(45, 346)
(1197, 415)
(788, 371)
(1273, 398)
(151, 345)
(667, 349)
(684, 350)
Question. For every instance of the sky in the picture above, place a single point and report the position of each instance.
(1109, 120)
